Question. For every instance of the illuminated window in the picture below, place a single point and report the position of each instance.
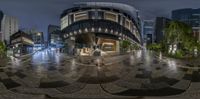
(80, 16)
(110, 16)
(64, 22)
(127, 24)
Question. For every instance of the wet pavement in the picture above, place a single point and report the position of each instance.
(138, 75)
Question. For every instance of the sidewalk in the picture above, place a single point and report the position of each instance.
(26, 55)
(3, 61)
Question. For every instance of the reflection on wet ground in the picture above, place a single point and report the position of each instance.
(48, 74)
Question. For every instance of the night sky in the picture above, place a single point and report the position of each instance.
(40, 13)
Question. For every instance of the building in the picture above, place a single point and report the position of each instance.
(54, 37)
(38, 39)
(89, 26)
(1, 33)
(190, 17)
(55, 40)
(9, 26)
(160, 25)
(148, 31)
(21, 43)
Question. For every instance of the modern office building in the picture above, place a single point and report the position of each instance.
(160, 25)
(99, 25)
(38, 39)
(190, 17)
(148, 31)
(54, 37)
(21, 43)
(9, 26)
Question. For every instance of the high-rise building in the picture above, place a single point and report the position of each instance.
(52, 29)
(160, 25)
(148, 31)
(9, 26)
(54, 36)
(190, 17)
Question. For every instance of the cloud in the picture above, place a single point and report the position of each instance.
(40, 13)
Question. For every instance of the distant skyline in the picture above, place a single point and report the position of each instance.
(41, 13)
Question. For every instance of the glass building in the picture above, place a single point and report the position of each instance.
(148, 31)
(160, 24)
(102, 25)
(190, 17)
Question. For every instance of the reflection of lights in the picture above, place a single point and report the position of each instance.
(98, 62)
(39, 71)
(139, 54)
(172, 65)
(15, 61)
(57, 58)
(160, 56)
(98, 67)
(131, 60)
(73, 64)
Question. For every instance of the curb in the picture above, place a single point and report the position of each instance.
(27, 54)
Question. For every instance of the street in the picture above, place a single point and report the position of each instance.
(47, 74)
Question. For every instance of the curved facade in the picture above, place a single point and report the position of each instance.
(98, 20)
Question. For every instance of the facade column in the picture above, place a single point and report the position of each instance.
(117, 46)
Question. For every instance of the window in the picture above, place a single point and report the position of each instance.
(111, 16)
(80, 16)
(96, 15)
(127, 24)
(64, 22)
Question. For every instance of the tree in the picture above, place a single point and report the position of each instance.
(177, 32)
(180, 34)
(125, 44)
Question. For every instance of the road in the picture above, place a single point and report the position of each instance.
(141, 74)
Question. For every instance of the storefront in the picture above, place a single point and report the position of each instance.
(21, 43)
